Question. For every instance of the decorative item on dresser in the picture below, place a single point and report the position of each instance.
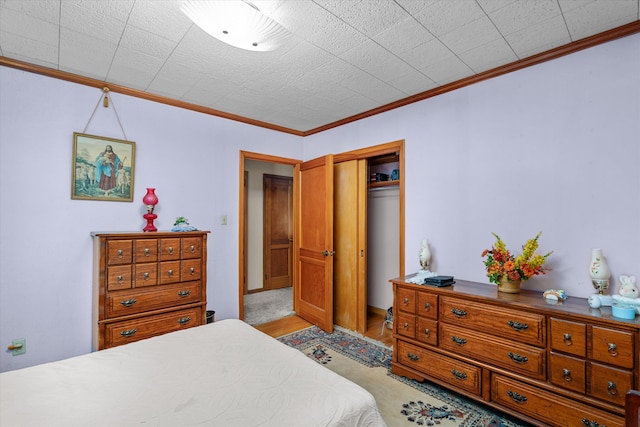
(147, 284)
(150, 200)
(557, 363)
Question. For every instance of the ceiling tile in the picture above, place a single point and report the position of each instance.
(403, 36)
(442, 17)
(515, 16)
(471, 35)
(597, 16)
(488, 56)
(539, 38)
(447, 70)
(85, 55)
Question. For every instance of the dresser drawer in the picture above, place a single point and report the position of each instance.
(406, 325)
(124, 332)
(145, 274)
(191, 269)
(427, 305)
(568, 337)
(548, 407)
(567, 371)
(612, 346)
(406, 300)
(504, 353)
(609, 383)
(427, 331)
(119, 277)
(518, 325)
(124, 303)
(145, 250)
(170, 249)
(191, 247)
(119, 252)
(169, 272)
(457, 373)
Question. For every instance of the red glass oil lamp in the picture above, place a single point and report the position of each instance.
(150, 200)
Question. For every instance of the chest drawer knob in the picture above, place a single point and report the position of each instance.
(427, 332)
(406, 301)
(120, 253)
(120, 278)
(517, 358)
(459, 341)
(593, 423)
(183, 294)
(612, 349)
(427, 306)
(413, 357)
(567, 339)
(170, 273)
(458, 313)
(611, 388)
(516, 397)
(517, 325)
(147, 252)
(192, 270)
(406, 326)
(566, 375)
(128, 302)
(459, 375)
(192, 249)
(170, 250)
(184, 320)
(128, 332)
(145, 275)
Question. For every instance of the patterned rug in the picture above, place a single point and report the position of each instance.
(402, 402)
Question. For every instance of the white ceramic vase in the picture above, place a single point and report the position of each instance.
(599, 271)
(425, 255)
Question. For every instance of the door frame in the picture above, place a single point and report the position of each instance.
(242, 237)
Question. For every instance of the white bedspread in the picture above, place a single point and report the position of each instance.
(221, 374)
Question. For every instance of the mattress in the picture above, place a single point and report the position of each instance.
(222, 374)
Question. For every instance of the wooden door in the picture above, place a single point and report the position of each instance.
(277, 231)
(313, 283)
(350, 242)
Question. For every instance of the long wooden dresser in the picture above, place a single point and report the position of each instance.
(560, 364)
(147, 284)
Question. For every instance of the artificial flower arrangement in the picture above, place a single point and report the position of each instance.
(499, 262)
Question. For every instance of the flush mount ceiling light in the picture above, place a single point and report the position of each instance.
(238, 23)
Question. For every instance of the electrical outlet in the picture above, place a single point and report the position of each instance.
(18, 346)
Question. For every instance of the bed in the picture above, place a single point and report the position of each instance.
(222, 374)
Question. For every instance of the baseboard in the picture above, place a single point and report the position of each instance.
(376, 310)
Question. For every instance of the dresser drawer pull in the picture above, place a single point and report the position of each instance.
(516, 397)
(184, 320)
(612, 349)
(458, 313)
(406, 326)
(427, 306)
(128, 332)
(192, 270)
(192, 249)
(459, 341)
(120, 278)
(459, 375)
(566, 375)
(593, 423)
(183, 294)
(567, 339)
(406, 301)
(146, 276)
(612, 389)
(170, 273)
(147, 252)
(413, 357)
(128, 302)
(120, 253)
(517, 325)
(170, 250)
(517, 358)
(427, 332)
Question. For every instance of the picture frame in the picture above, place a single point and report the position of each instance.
(103, 168)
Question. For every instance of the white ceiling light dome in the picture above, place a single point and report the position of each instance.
(238, 23)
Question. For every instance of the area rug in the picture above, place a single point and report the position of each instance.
(266, 306)
(402, 402)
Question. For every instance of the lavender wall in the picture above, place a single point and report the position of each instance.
(554, 148)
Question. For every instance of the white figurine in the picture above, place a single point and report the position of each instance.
(628, 292)
(425, 255)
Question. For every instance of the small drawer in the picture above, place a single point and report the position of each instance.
(427, 305)
(191, 269)
(145, 275)
(609, 383)
(568, 337)
(191, 247)
(504, 353)
(119, 277)
(548, 407)
(427, 331)
(123, 303)
(146, 327)
(406, 325)
(119, 252)
(406, 300)
(170, 249)
(515, 324)
(612, 346)
(459, 374)
(169, 272)
(146, 250)
(568, 372)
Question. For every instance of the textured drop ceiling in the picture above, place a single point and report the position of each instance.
(345, 57)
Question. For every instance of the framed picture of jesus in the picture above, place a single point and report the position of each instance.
(103, 168)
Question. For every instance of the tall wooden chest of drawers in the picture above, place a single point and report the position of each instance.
(147, 284)
(559, 364)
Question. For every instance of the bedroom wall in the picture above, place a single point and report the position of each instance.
(45, 245)
(552, 148)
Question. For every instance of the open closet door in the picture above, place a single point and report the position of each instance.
(314, 242)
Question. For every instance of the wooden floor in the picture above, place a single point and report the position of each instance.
(290, 324)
